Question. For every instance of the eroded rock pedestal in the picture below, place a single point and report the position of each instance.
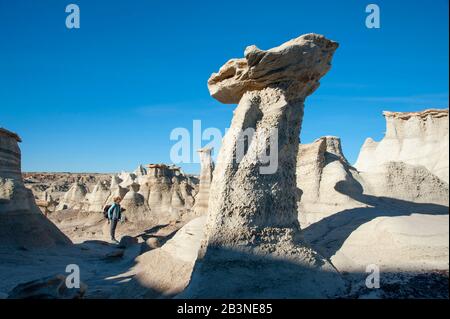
(207, 167)
(253, 246)
(21, 222)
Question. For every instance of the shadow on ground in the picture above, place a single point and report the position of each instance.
(329, 234)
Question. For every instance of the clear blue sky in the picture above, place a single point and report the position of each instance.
(105, 97)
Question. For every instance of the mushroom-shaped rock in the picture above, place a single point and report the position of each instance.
(252, 235)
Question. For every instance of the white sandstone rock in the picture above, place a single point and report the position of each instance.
(406, 134)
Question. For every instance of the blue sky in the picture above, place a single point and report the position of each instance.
(105, 97)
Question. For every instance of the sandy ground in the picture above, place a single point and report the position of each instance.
(141, 271)
(102, 274)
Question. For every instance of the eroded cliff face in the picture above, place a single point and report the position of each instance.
(391, 212)
(321, 166)
(252, 222)
(168, 192)
(415, 138)
(21, 222)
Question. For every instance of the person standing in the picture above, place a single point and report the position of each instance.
(114, 215)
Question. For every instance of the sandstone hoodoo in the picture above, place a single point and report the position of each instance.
(206, 172)
(167, 191)
(22, 224)
(135, 205)
(74, 198)
(321, 165)
(252, 224)
(98, 198)
(406, 133)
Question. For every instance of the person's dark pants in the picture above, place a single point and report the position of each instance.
(113, 228)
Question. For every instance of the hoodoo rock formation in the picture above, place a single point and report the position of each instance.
(321, 165)
(136, 207)
(167, 191)
(206, 172)
(406, 133)
(22, 224)
(98, 198)
(74, 198)
(253, 236)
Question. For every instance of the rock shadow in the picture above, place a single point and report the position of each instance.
(329, 234)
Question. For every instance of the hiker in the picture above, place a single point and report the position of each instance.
(114, 215)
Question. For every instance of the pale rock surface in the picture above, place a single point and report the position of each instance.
(320, 166)
(414, 242)
(140, 171)
(406, 133)
(167, 192)
(253, 236)
(164, 272)
(98, 198)
(53, 287)
(116, 190)
(206, 172)
(393, 215)
(22, 224)
(49, 188)
(136, 208)
(405, 182)
(74, 198)
(127, 179)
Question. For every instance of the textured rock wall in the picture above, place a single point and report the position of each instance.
(21, 222)
(321, 165)
(406, 134)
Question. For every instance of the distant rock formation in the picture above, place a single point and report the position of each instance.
(98, 198)
(74, 198)
(329, 184)
(252, 225)
(393, 214)
(406, 134)
(140, 171)
(167, 191)
(49, 189)
(206, 172)
(135, 205)
(127, 179)
(320, 166)
(116, 190)
(22, 224)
